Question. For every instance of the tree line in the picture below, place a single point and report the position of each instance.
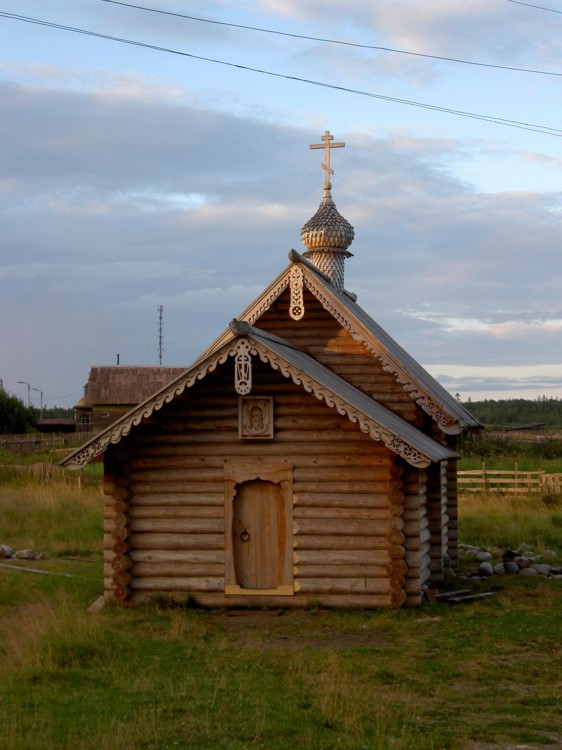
(16, 417)
(516, 412)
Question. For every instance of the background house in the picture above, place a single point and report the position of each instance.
(112, 391)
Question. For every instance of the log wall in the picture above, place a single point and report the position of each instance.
(417, 534)
(165, 515)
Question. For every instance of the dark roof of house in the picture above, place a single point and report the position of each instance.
(125, 385)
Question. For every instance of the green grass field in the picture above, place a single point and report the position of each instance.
(485, 675)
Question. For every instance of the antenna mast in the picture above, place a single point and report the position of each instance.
(160, 333)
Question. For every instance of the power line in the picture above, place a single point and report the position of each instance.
(545, 129)
(518, 2)
(334, 41)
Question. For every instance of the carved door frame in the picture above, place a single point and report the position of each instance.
(277, 473)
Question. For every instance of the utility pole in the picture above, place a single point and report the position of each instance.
(160, 333)
(24, 382)
(41, 392)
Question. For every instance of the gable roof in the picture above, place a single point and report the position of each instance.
(447, 412)
(125, 385)
(398, 435)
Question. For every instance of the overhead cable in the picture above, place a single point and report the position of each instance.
(538, 7)
(333, 41)
(545, 129)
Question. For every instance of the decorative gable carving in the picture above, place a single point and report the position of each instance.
(296, 305)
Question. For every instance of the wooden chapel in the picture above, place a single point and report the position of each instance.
(304, 457)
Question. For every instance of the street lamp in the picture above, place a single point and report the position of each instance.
(41, 392)
(23, 382)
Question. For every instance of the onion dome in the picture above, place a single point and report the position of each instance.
(326, 236)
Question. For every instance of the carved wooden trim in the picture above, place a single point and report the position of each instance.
(266, 301)
(243, 367)
(296, 306)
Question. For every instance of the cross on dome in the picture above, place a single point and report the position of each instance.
(327, 145)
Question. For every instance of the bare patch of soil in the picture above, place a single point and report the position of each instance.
(271, 630)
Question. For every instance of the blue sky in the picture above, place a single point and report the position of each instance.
(132, 178)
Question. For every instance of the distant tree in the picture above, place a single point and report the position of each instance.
(514, 412)
(14, 415)
(58, 412)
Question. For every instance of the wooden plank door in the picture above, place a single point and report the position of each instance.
(258, 534)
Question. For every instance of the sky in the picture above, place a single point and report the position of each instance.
(132, 177)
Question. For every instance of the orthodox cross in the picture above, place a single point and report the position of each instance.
(327, 145)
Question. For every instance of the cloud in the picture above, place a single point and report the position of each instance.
(116, 197)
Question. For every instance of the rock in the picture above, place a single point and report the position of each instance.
(549, 555)
(511, 567)
(486, 569)
(543, 569)
(522, 561)
(483, 556)
(527, 572)
(524, 548)
(556, 571)
(496, 552)
(27, 554)
(6, 552)
(499, 569)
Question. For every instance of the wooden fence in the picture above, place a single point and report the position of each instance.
(46, 473)
(483, 480)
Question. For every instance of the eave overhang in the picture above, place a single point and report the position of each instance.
(381, 424)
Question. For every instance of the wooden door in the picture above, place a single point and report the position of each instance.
(258, 534)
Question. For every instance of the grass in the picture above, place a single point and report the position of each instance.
(505, 520)
(161, 676)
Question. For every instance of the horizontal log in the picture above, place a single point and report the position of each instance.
(179, 445)
(413, 528)
(350, 474)
(203, 556)
(395, 537)
(327, 543)
(165, 474)
(373, 500)
(175, 488)
(312, 586)
(163, 541)
(425, 535)
(340, 571)
(175, 511)
(335, 527)
(121, 562)
(345, 513)
(186, 500)
(340, 556)
(175, 460)
(347, 487)
(177, 570)
(179, 525)
(187, 585)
